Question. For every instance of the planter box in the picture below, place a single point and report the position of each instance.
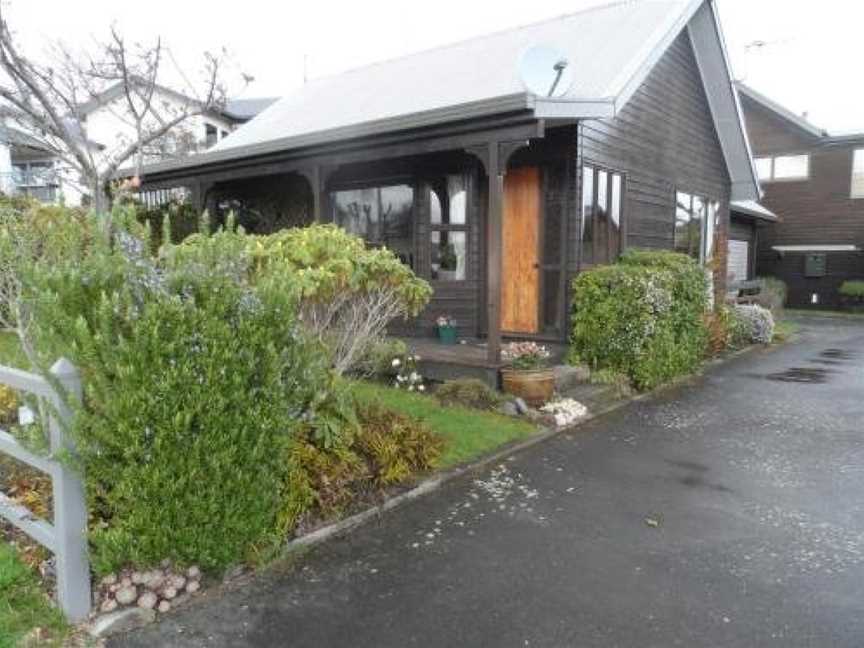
(447, 334)
(534, 387)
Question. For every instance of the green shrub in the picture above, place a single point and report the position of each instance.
(773, 295)
(396, 446)
(194, 385)
(378, 360)
(348, 292)
(853, 289)
(640, 318)
(751, 324)
(468, 392)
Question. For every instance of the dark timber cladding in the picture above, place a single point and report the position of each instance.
(663, 140)
(816, 210)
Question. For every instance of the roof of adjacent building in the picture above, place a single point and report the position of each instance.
(610, 50)
(246, 109)
(798, 121)
(753, 209)
(239, 110)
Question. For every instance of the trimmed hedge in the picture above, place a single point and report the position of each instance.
(642, 317)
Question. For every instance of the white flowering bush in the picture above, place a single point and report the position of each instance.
(752, 324)
(407, 376)
(525, 356)
(565, 411)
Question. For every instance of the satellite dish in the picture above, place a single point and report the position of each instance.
(545, 71)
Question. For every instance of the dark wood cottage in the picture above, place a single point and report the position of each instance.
(815, 183)
(496, 194)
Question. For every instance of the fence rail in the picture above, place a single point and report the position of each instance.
(66, 538)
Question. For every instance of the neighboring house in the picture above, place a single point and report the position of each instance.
(497, 195)
(815, 183)
(31, 168)
(27, 167)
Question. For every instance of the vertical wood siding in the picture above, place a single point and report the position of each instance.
(664, 139)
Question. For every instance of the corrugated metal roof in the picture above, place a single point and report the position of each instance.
(606, 48)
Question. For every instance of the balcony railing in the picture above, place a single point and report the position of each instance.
(42, 184)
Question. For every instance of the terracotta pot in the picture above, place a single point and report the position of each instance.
(534, 387)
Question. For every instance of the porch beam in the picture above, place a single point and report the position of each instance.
(348, 153)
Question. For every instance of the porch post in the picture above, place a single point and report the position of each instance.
(494, 247)
(316, 193)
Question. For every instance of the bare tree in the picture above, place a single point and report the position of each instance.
(47, 99)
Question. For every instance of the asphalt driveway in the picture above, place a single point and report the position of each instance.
(729, 512)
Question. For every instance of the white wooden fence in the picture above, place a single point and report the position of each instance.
(66, 538)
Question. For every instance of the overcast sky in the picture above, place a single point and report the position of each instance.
(802, 53)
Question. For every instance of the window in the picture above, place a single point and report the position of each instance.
(764, 167)
(602, 205)
(696, 221)
(858, 174)
(211, 135)
(783, 167)
(448, 228)
(383, 216)
(815, 265)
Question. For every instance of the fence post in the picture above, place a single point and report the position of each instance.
(70, 507)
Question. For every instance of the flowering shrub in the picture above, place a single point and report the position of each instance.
(642, 317)
(565, 411)
(751, 324)
(407, 376)
(525, 356)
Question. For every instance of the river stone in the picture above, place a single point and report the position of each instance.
(193, 586)
(121, 621)
(521, 406)
(164, 606)
(147, 600)
(127, 595)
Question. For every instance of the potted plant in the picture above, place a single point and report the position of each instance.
(852, 295)
(448, 263)
(446, 326)
(527, 374)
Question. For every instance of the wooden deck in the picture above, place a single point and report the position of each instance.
(468, 359)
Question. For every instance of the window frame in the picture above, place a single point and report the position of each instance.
(772, 159)
(622, 203)
(859, 195)
(430, 185)
(706, 246)
(380, 183)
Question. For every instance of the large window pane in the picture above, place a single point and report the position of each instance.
(683, 216)
(449, 255)
(382, 216)
(587, 215)
(790, 167)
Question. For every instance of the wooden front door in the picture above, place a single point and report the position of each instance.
(520, 282)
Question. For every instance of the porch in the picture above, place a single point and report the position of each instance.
(467, 359)
(480, 210)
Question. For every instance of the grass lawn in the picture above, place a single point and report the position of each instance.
(469, 433)
(10, 351)
(783, 330)
(23, 605)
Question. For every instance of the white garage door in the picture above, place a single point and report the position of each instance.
(739, 260)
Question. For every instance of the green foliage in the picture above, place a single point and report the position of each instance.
(378, 360)
(468, 392)
(773, 295)
(396, 445)
(8, 405)
(178, 220)
(751, 324)
(325, 261)
(468, 433)
(854, 289)
(642, 317)
(195, 381)
(23, 604)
